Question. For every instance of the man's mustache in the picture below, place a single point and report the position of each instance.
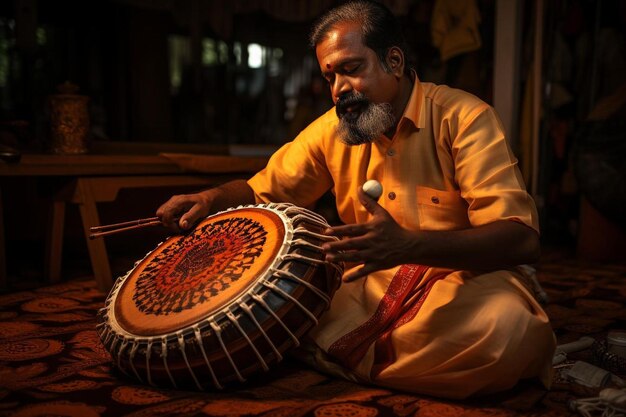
(348, 100)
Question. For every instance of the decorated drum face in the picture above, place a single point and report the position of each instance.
(223, 302)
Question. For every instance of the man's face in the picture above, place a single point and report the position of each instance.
(365, 94)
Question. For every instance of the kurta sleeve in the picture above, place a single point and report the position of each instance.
(487, 173)
(297, 173)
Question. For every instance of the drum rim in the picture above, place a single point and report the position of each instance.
(203, 323)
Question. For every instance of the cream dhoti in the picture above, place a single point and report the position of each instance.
(437, 332)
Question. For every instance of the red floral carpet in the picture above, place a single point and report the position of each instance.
(52, 363)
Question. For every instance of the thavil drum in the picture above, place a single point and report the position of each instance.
(227, 300)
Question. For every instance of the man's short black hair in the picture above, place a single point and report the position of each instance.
(379, 28)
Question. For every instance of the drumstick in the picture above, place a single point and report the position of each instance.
(123, 224)
(133, 225)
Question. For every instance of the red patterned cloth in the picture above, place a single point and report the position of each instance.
(52, 363)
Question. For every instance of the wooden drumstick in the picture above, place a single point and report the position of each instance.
(123, 229)
(110, 230)
(123, 224)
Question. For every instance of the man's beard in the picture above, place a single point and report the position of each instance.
(367, 123)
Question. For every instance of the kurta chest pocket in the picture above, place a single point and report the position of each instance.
(441, 210)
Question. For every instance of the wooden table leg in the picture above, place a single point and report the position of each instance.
(91, 190)
(96, 247)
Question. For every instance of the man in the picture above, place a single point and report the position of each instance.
(432, 301)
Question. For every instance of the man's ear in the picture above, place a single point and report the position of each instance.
(395, 61)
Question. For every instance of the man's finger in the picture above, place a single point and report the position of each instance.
(368, 202)
(168, 211)
(346, 230)
(164, 214)
(355, 257)
(346, 244)
(191, 217)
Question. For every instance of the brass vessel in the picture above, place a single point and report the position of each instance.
(69, 121)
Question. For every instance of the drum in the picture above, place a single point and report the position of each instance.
(213, 307)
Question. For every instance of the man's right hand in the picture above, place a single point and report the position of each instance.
(181, 212)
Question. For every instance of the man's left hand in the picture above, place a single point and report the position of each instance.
(378, 244)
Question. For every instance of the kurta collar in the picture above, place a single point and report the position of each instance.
(414, 107)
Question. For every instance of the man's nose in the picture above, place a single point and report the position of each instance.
(340, 87)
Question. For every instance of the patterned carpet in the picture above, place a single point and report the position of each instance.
(52, 362)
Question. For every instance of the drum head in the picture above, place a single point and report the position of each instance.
(188, 278)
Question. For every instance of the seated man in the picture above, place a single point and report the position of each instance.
(432, 300)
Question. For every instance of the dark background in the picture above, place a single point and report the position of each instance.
(190, 72)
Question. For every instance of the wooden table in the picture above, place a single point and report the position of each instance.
(90, 179)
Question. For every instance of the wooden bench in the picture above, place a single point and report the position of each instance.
(92, 179)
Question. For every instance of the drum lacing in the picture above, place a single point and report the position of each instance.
(114, 345)
(303, 231)
(261, 301)
(105, 335)
(292, 276)
(301, 242)
(245, 307)
(107, 339)
(148, 354)
(286, 295)
(181, 345)
(233, 319)
(164, 356)
(314, 222)
(131, 359)
(300, 210)
(119, 355)
(218, 332)
(198, 334)
(297, 257)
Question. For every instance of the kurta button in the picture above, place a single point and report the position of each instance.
(391, 152)
(434, 199)
(391, 195)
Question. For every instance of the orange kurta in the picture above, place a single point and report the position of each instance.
(448, 167)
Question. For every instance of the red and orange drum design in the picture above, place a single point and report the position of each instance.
(227, 300)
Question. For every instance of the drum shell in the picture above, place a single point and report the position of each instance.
(253, 333)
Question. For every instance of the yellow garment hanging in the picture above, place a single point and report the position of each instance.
(454, 27)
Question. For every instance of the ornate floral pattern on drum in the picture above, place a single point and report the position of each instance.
(197, 268)
(193, 275)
